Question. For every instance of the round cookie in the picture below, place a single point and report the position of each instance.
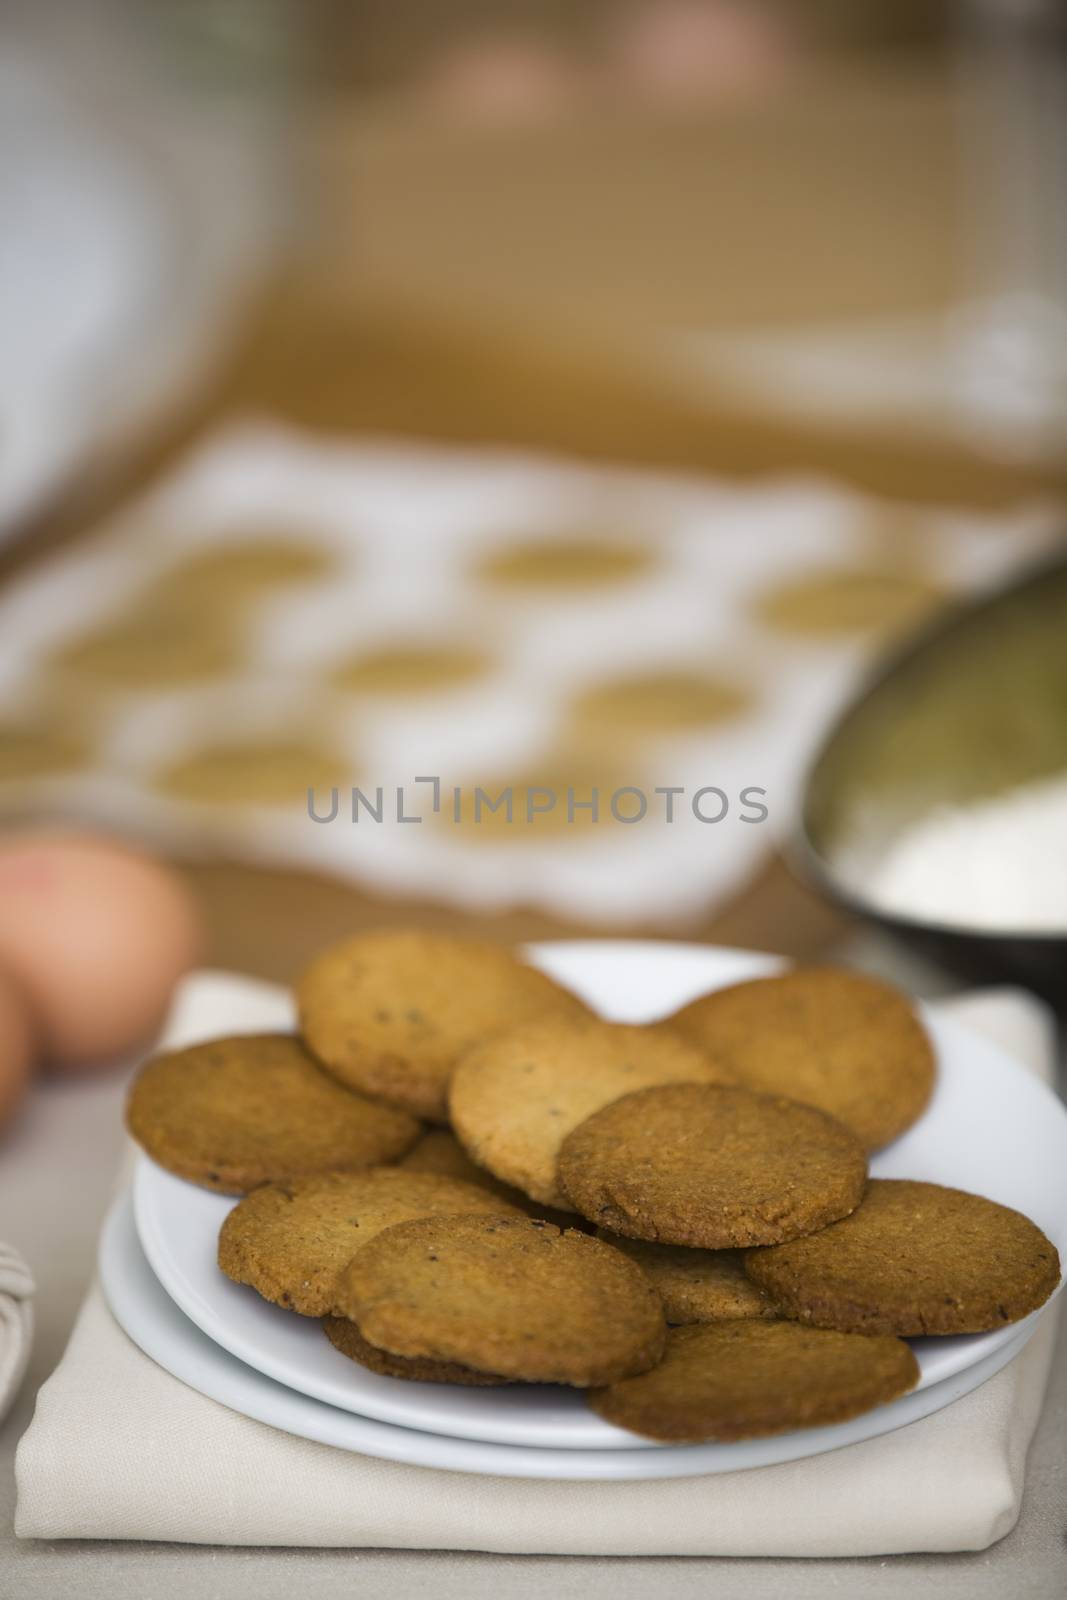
(517, 1298)
(391, 1013)
(712, 1166)
(289, 1241)
(697, 1285)
(746, 1380)
(842, 1041)
(346, 1337)
(440, 1151)
(278, 771)
(234, 1113)
(579, 561)
(514, 1099)
(914, 1258)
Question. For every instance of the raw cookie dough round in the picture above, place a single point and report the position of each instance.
(913, 1258)
(266, 772)
(346, 1337)
(659, 703)
(842, 1041)
(711, 1166)
(289, 1241)
(514, 1099)
(520, 1299)
(256, 1108)
(156, 647)
(410, 669)
(746, 1380)
(391, 1013)
(576, 562)
(697, 1285)
(224, 572)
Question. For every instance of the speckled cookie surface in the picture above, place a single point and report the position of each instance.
(391, 1013)
(697, 1285)
(234, 1113)
(838, 1040)
(514, 1099)
(747, 1380)
(914, 1258)
(289, 1241)
(517, 1298)
(346, 1337)
(438, 1150)
(711, 1166)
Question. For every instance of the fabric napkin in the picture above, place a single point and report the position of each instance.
(119, 1449)
(16, 1322)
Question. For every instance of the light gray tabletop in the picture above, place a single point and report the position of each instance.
(57, 1169)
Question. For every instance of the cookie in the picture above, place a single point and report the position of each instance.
(238, 1112)
(410, 669)
(659, 703)
(849, 1044)
(914, 1258)
(697, 1285)
(440, 1151)
(221, 574)
(576, 562)
(290, 1240)
(517, 1298)
(346, 1337)
(712, 1166)
(153, 647)
(391, 1013)
(264, 772)
(514, 1099)
(746, 1380)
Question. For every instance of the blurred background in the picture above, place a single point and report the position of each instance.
(523, 394)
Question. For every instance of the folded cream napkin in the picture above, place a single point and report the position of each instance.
(119, 1449)
(16, 1322)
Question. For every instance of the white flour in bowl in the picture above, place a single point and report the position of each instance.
(996, 866)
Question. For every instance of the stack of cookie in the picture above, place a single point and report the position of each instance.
(474, 1180)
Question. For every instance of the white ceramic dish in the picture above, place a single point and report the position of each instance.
(990, 1127)
(153, 1321)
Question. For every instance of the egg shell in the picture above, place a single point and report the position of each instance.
(96, 934)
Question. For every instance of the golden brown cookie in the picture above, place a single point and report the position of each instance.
(697, 1285)
(290, 1240)
(440, 1151)
(711, 1166)
(842, 1041)
(346, 1337)
(517, 1298)
(234, 1113)
(914, 1258)
(746, 1380)
(514, 1099)
(391, 1013)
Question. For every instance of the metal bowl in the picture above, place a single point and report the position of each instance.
(973, 707)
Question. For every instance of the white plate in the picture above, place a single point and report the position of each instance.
(991, 1127)
(153, 1321)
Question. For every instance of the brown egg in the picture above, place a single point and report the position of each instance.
(16, 1048)
(96, 935)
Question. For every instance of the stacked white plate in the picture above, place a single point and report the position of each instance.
(990, 1128)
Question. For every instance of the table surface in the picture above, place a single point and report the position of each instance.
(74, 1129)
